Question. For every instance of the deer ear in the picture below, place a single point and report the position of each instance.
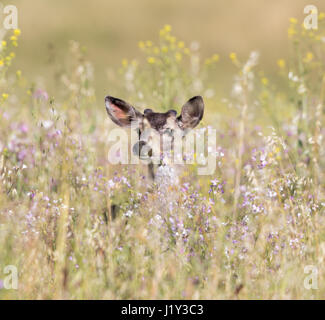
(192, 113)
(120, 112)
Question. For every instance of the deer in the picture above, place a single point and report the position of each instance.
(166, 126)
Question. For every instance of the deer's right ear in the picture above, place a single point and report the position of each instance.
(120, 112)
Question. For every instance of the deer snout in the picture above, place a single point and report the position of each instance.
(142, 150)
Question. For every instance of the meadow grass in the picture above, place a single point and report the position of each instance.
(246, 232)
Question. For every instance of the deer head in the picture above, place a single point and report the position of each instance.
(162, 126)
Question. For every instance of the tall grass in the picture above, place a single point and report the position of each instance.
(247, 231)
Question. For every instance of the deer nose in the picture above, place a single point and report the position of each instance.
(142, 150)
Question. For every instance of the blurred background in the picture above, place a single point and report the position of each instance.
(111, 30)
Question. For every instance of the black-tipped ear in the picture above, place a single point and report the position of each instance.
(192, 113)
(120, 112)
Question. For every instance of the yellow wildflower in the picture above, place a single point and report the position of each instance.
(281, 63)
(5, 96)
(233, 57)
(178, 56)
(13, 38)
(293, 20)
(17, 32)
(8, 60)
(124, 62)
(215, 57)
(141, 44)
(164, 49)
(291, 31)
(265, 81)
(181, 44)
(1, 63)
(276, 150)
(151, 60)
(309, 57)
(167, 28)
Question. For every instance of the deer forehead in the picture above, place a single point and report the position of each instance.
(159, 121)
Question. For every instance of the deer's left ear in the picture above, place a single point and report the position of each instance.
(192, 113)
